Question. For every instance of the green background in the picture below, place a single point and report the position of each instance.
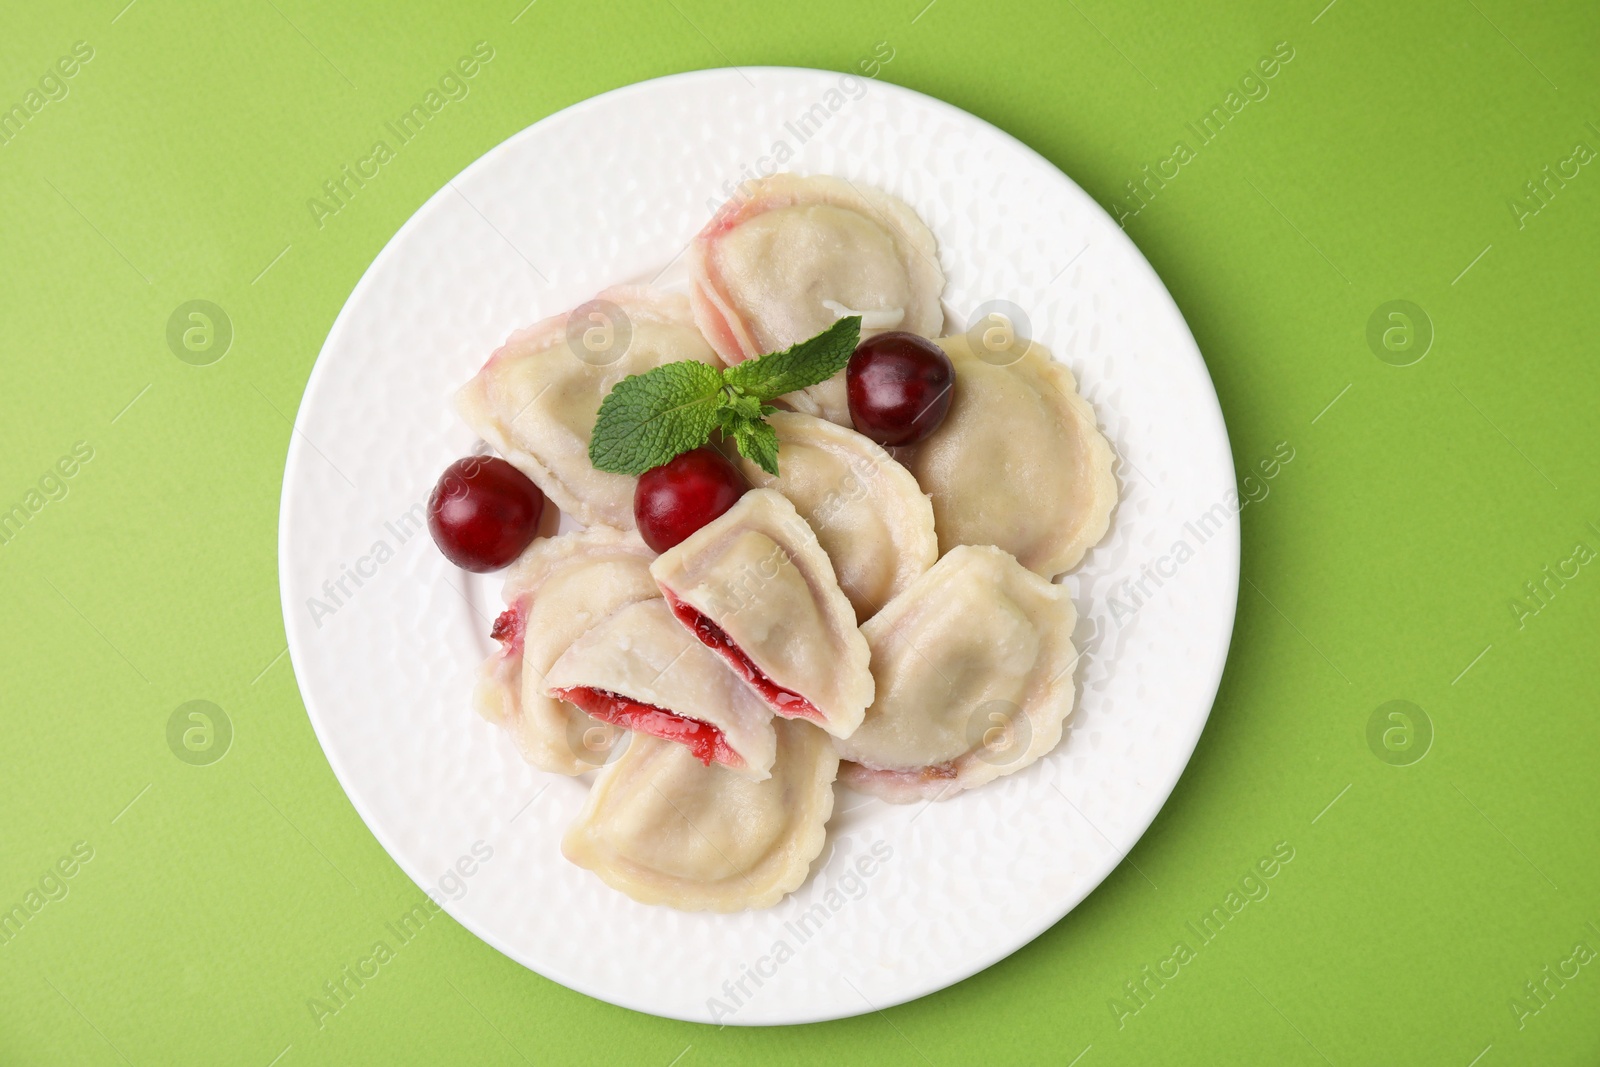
(1382, 565)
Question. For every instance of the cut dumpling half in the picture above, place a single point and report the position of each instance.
(664, 829)
(536, 398)
(639, 670)
(870, 516)
(1018, 462)
(555, 592)
(974, 678)
(792, 255)
(756, 587)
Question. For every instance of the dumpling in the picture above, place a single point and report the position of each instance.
(536, 398)
(1018, 462)
(557, 590)
(638, 669)
(792, 255)
(663, 829)
(871, 518)
(974, 678)
(754, 586)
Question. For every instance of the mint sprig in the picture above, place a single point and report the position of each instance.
(741, 420)
(649, 418)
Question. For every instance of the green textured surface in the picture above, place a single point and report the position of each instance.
(1382, 563)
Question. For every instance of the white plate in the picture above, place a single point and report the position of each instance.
(611, 190)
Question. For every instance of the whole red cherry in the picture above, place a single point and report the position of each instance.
(483, 513)
(675, 499)
(899, 387)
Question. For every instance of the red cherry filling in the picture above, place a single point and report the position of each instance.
(675, 499)
(508, 628)
(785, 702)
(708, 743)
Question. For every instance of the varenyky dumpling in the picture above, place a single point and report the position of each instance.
(1018, 462)
(536, 398)
(869, 514)
(664, 829)
(755, 586)
(638, 669)
(555, 592)
(792, 255)
(973, 665)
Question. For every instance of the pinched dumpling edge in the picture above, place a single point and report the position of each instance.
(1078, 419)
(790, 863)
(497, 693)
(640, 304)
(1047, 713)
(1099, 458)
(909, 511)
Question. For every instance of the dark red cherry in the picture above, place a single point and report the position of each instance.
(675, 499)
(483, 513)
(899, 387)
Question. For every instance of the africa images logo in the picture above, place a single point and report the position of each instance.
(1252, 888)
(1252, 87)
(454, 85)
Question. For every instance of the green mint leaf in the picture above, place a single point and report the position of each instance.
(758, 442)
(798, 366)
(649, 418)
